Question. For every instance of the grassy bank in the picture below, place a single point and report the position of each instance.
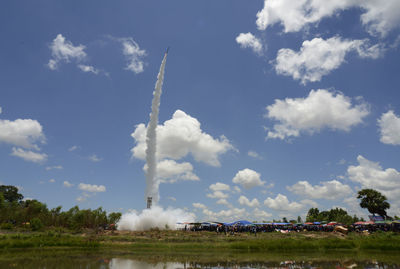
(166, 241)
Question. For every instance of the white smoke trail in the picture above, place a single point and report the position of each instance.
(152, 183)
(155, 217)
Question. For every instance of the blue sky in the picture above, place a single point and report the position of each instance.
(268, 108)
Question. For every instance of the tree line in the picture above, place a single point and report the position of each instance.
(14, 211)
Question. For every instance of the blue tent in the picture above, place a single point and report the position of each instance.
(238, 222)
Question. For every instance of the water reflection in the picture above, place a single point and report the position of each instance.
(132, 264)
(93, 260)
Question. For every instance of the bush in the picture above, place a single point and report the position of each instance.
(36, 224)
(6, 226)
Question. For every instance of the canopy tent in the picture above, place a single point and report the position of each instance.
(364, 223)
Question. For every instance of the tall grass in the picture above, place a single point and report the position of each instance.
(45, 240)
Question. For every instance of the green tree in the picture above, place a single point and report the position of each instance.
(374, 201)
(312, 215)
(114, 217)
(10, 193)
(299, 220)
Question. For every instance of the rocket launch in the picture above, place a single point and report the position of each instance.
(152, 183)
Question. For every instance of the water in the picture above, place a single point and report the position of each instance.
(107, 260)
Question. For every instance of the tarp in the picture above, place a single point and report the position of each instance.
(376, 218)
(364, 223)
(238, 222)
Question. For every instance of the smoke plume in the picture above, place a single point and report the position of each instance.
(155, 217)
(152, 183)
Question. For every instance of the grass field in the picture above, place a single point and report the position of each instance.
(203, 241)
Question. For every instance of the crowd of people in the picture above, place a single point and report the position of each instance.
(246, 226)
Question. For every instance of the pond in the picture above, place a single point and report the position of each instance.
(47, 259)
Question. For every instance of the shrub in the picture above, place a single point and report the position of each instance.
(6, 226)
(36, 224)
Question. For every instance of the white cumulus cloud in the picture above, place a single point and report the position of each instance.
(248, 179)
(389, 126)
(220, 187)
(320, 109)
(281, 203)
(318, 57)
(224, 215)
(91, 188)
(28, 155)
(248, 40)
(371, 175)
(331, 190)
(218, 195)
(21, 132)
(261, 214)
(379, 17)
(243, 200)
(179, 137)
(67, 184)
(169, 171)
(199, 205)
(63, 50)
(134, 55)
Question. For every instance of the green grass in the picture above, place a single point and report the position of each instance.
(40, 240)
(205, 241)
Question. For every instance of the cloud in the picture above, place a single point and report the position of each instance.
(94, 158)
(91, 188)
(171, 198)
(378, 17)
(133, 55)
(83, 197)
(330, 190)
(52, 180)
(248, 40)
(199, 205)
(218, 195)
(243, 200)
(248, 179)
(63, 50)
(67, 184)
(169, 171)
(179, 137)
(232, 214)
(220, 187)
(309, 203)
(21, 132)
(371, 175)
(58, 167)
(320, 109)
(254, 154)
(88, 69)
(28, 155)
(261, 214)
(318, 57)
(73, 148)
(281, 203)
(237, 189)
(222, 202)
(389, 126)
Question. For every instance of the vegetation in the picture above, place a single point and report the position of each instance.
(338, 214)
(34, 215)
(374, 201)
(170, 241)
